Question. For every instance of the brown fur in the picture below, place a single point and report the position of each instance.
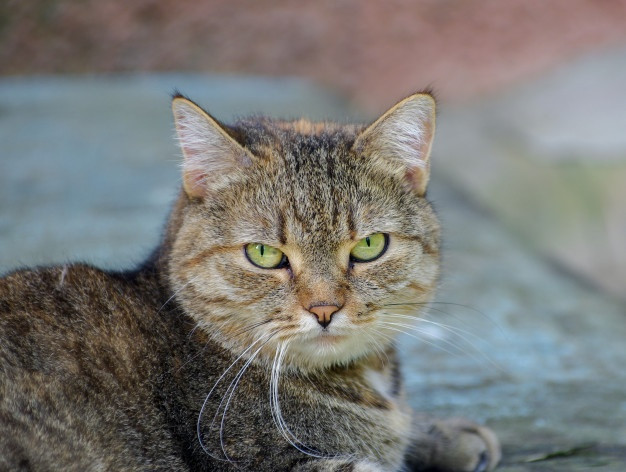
(114, 371)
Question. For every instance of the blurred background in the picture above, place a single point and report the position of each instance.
(564, 134)
(529, 168)
(372, 51)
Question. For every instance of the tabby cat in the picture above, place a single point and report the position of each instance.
(260, 334)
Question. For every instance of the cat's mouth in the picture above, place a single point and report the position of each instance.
(325, 338)
(325, 347)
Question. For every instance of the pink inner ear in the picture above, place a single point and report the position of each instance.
(194, 178)
(418, 175)
(417, 178)
(194, 181)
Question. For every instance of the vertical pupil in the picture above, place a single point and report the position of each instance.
(262, 250)
(367, 240)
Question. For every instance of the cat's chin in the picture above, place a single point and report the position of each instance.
(329, 339)
(326, 349)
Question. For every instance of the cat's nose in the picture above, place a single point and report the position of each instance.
(324, 313)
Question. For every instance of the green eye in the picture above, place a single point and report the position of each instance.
(266, 257)
(370, 248)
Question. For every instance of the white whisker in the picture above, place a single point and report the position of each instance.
(231, 388)
(281, 349)
(458, 348)
(452, 329)
(193, 330)
(206, 400)
(190, 281)
(378, 348)
(429, 306)
(462, 334)
(392, 327)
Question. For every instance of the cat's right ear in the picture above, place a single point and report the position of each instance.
(210, 155)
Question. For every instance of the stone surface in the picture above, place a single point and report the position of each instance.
(88, 169)
(527, 349)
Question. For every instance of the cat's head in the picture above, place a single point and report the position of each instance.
(304, 234)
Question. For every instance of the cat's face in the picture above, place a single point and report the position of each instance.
(305, 236)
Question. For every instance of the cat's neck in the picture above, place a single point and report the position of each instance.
(159, 261)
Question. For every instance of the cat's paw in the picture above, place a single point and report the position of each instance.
(337, 465)
(363, 466)
(465, 446)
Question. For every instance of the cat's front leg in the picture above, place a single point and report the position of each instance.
(452, 445)
(338, 465)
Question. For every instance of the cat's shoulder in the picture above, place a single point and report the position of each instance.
(73, 298)
(45, 286)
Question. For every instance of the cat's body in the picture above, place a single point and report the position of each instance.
(133, 380)
(213, 355)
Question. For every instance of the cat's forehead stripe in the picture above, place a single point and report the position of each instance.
(302, 126)
(308, 128)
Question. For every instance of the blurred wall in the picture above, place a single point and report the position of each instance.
(375, 51)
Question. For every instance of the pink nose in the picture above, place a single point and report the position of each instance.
(324, 313)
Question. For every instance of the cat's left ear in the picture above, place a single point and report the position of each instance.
(401, 139)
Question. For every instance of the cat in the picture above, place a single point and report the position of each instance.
(260, 333)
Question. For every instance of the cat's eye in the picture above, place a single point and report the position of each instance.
(264, 256)
(370, 248)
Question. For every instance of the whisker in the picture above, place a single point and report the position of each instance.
(281, 349)
(232, 387)
(423, 339)
(193, 330)
(458, 349)
(452, 329)
(378, 348)
(461, 305)
(422, 331)
(431, 312)
(190, 281)
(242, 331)
(461, 333)
(195, 356)
(464, 335)
(206, 400)
(437, 303)
(251, 327)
